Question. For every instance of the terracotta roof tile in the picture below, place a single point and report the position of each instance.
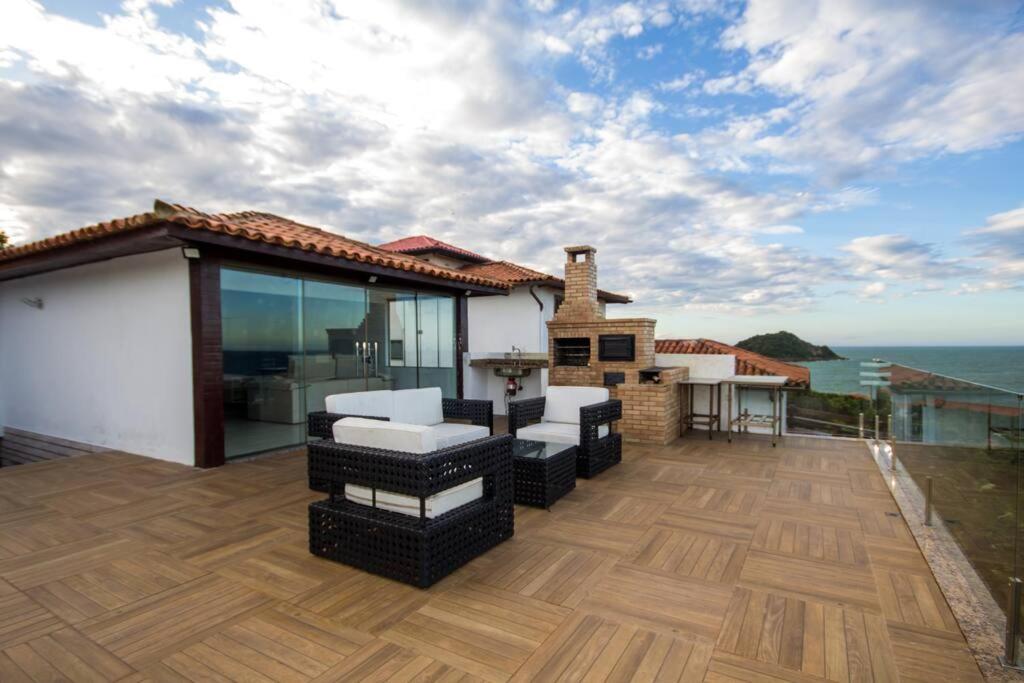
(505, 271)
(515, 274)
(747, 362)
(257, 227)
(510, 272)
(423, 243)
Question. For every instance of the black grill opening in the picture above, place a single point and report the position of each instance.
(574, 351)
(613, 378)
(616, 347)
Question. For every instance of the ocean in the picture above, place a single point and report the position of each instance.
(997, 366)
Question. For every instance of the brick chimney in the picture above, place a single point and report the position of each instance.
(580, 286)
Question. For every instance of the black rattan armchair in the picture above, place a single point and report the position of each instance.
(594, 453)
(478, 412)
(415, 550)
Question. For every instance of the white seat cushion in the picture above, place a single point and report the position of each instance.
(436, 505)
(370, 403)
(392, 436)
(418, 406)
(450, 434)
(556, 432)
(562, 404)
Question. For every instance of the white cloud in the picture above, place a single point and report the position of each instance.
(999, 245)
(871, 82)
(649, 52)
(898, 257)
(873, 290)
(681, 83)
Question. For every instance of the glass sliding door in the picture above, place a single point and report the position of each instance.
(436, 316)
(393, 337)
(291, 342)
(334, 326)
(264, 406)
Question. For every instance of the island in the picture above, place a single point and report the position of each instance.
(786, 346)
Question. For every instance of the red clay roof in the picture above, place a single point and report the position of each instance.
(747, 362)
(515, 274)
(257, 227)
(907, 379)
(418, 244)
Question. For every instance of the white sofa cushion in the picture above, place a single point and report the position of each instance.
(392, 436)
(436, 505)
(452, 434)
(418, 406)
(371, 403)
(556, 432)
(562, 404)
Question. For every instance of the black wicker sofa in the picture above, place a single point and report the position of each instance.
(413, 549)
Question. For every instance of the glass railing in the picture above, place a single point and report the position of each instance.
(959, 439)
(966, 438)
(838, 415)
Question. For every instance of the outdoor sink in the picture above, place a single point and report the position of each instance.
(512, 370)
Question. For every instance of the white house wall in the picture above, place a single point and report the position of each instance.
(496, 323)
(107, 360)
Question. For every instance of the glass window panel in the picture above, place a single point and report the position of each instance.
(393, 337)
(264, 406)
(334, 326)
(437, 343)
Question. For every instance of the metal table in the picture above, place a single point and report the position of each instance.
(713, 416)
(744, 420)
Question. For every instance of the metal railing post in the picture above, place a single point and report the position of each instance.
(860, 425)
(927, 501)
(1012, 623)
(878, 421)
(889, 426)
(892, 446)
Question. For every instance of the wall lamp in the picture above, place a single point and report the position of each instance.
(190, 252)
(34, 303)
(373, 278)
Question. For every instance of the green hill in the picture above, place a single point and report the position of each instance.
(788, 347)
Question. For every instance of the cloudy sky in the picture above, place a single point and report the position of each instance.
(851, 170)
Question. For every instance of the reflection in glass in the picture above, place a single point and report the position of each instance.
(289, 343)
(263, 402)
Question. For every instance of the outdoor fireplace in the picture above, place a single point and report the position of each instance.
(572, 351)
(587, 349)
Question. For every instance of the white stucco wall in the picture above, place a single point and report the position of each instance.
(107, 361)
(720, 366)
(496, 323)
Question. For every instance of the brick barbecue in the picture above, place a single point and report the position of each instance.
(587, 349)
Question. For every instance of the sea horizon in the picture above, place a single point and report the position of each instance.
(999, 366)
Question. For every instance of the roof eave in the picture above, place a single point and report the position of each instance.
(294, 254)
(139, 240)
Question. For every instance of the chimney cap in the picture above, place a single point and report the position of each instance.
(583, 249)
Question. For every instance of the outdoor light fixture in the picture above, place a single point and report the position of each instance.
(190, 252)
(373, 278)
(34, 303)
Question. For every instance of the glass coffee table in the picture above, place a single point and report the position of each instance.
(544, 471)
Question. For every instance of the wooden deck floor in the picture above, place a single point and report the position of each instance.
(698, 561)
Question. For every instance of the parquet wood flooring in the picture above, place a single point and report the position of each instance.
(698, 561)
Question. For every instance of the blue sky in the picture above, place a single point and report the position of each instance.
(849, 170)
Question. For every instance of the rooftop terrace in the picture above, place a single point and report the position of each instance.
(695, 561)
